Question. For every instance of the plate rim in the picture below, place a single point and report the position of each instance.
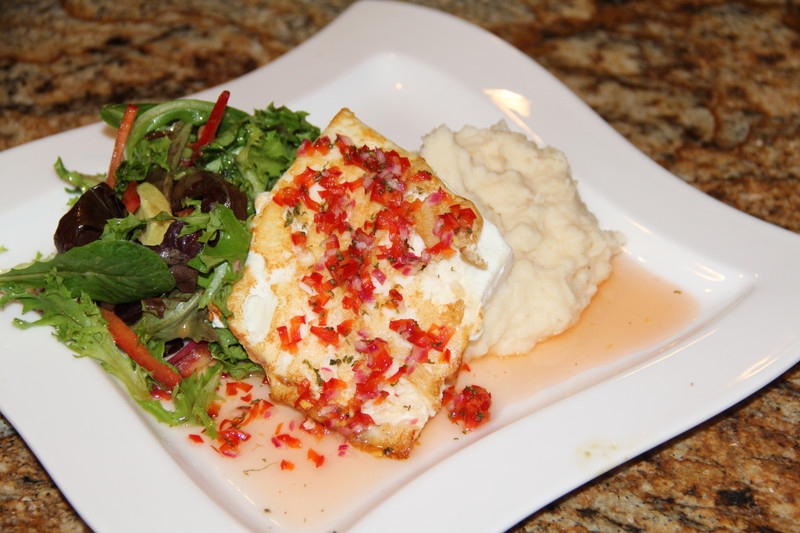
(767, 285)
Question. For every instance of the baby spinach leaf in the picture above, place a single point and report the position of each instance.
(108, 271)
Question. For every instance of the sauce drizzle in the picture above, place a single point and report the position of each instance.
(321, 483)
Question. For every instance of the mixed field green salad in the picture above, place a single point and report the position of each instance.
(149, 250)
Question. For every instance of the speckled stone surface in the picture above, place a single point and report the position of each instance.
(709, 90)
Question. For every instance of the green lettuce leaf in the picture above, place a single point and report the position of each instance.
(190, 401)
(179, 318)
(254, 153)
(79, 181)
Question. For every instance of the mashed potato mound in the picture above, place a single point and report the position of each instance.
(560, 253)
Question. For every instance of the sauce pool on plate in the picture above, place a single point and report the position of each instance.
(302, 482)
(631, 311)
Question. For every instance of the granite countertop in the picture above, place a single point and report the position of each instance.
(709, 90)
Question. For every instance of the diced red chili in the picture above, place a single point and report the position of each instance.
(383, 194)
(422, 175)
(345, 327)
(298, 238)
(327, 335)
(315, 458)
(286, 196)
(443, 249)
(290, 336)
(213, 409)
(291, 442)
(304, 394)
(471, 406)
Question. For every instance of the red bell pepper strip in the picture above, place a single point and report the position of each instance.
(120, 142)
(130, 198)
(129, 342)
(209, 130)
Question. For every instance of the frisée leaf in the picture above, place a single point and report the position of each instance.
(190, 403)
(253, 153)
(78, 324)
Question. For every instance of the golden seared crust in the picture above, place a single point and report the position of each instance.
(465, 242)
(342, 300)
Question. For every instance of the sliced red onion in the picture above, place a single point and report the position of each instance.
(368, 182)
(183, 352)
(362, 346)
(435, 198)
(379, 276)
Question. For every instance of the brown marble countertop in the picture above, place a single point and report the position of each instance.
(708, 89)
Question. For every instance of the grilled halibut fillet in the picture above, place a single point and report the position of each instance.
(364, 282)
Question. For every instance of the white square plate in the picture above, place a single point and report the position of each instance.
(405, 70)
